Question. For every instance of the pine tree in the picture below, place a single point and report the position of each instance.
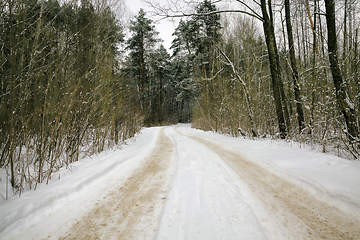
(140, 44)
(159, 74)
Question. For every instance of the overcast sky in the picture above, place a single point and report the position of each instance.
(164, 27)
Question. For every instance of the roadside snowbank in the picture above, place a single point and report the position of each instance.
(87, 179)
(336, 177)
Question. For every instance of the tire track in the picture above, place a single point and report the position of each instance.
(133, 210)
(289, 204)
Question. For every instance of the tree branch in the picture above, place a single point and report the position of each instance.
(163, 11)
(216, 74)
(252, 10)
(216, 12)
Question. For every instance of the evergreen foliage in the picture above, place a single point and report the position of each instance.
(154, 76)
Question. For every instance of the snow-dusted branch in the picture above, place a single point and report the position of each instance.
(212, 78)
(169, 12)
(247, 96)
(212, 13)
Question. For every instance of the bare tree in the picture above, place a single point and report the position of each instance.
(295, 74)
(344, 102)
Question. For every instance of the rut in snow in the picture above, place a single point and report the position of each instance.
(289, 204)
(136, 206)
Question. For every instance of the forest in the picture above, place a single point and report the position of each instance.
(77, 78)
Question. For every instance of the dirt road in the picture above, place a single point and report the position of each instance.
(133, 210)
(180, 191)
(300, 214)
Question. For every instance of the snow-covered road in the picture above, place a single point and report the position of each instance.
(180, 183)
(204, 201)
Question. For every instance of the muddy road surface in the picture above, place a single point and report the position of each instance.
(187, 186)
(132, 211)
(299, 213)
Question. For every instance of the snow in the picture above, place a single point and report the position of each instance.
(206, 199)
(85, 182)
(204, 202)
(336, 177)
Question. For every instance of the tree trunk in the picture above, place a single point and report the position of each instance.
(142, 78)
(274, 68)
(345, 37)
(345, 105)
(295, 74)
(12, 103)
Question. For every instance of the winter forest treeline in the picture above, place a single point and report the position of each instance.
(77, 78)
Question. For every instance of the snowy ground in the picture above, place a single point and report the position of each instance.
(181, 183)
